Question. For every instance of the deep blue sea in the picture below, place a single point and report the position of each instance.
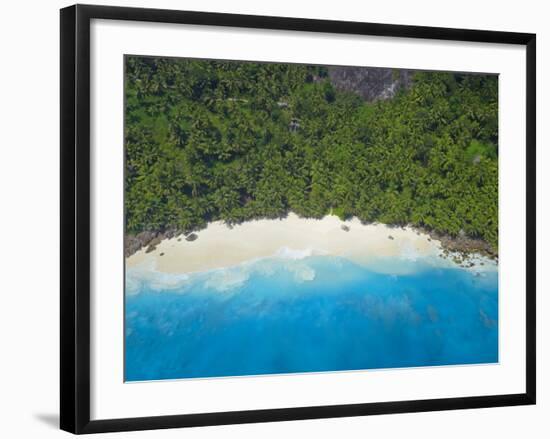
(318, 313)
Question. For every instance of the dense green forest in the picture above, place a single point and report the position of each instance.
(210, 140)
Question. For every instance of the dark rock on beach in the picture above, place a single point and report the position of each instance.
(170, 233)
(133, 243)
(466, 245)
(345, 228)
(151, 239)
(462, 245)
(153, 244)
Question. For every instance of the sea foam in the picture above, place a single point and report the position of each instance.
(297, 262)
(145, 277)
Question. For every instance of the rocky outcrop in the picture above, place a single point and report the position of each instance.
(461, 247)
(147, 239)
(153, 244)
(132, 243)
(150, 239)
(371, 83)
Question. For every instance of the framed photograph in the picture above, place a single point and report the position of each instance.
(268, 219)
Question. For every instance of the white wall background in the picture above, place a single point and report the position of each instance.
(29, 253)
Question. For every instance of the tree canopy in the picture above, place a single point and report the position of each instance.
(226, 140)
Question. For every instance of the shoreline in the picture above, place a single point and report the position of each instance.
(294, 238)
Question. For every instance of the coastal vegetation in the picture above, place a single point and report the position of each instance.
(234, 141)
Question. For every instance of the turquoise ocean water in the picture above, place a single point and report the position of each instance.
(310, 314)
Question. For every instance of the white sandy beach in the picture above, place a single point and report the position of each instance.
(219, 246)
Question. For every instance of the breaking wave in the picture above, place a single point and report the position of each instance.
(294, 262)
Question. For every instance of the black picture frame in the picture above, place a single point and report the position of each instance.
(75, 218)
